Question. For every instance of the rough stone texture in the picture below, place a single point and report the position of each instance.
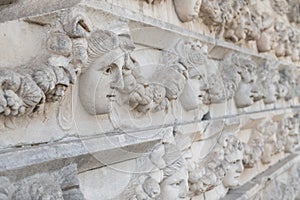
(156, 99)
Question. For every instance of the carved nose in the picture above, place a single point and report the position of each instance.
(240, 167)
(182, 195)
(204, 86)
(118, 83)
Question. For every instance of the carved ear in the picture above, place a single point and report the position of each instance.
(77, 26)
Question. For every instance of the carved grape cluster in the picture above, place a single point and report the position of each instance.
(18, 93)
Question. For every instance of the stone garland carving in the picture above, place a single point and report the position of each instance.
(24, 90)
(184, 66)
(61, 184)
(147, 188)
(222, 166)
(185, 69)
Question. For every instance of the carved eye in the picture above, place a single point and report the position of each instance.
(198, 77)
(177, 183)
(108, 69)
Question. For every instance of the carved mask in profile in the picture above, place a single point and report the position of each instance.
(187, 10)
(193, 58)
(234, 170)
(247, 91)
(195, 90)
(269, 85)
(233, 157)
(175, 182)
(104, 73)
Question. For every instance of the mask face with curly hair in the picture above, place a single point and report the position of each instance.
(104, 74)
(175, 186)
(175, 182)
(234, 170)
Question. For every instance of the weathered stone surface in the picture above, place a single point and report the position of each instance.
(149, 99)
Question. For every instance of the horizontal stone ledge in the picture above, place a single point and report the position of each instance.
(6, 2)
(225, 118)
(251, 188)
(217, 48)
(88, 153)
(26, 8)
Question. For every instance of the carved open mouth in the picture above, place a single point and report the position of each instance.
(111, 97)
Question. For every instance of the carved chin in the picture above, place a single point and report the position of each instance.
(96, 108)
(243, 101)
(270, 100)
(230, 183)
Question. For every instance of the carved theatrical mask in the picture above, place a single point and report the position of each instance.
(266, 41)
(173, 79)
(234, 170)
(187, 10)
(242, 27)
(195, 91)
(247, 92)
(233, 157)
(286, 85)
(187, 76)
(270, 141)
(104, 74)
(175, 182)
(270, 93)
(175, 186)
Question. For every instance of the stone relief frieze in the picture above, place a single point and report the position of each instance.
(61, 184)
(285, 186)
(222, 166)
(168, 176)
(100, 62)
(24, 90)
(241, 22)
(185, 75)
(269, 138)
(187, 61)
(181, 176)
